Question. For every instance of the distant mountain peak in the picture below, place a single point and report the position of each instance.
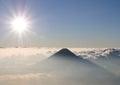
(66, 53)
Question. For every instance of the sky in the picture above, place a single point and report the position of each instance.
(62, 23)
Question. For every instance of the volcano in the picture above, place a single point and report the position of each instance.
(64, 64)
(65, 54)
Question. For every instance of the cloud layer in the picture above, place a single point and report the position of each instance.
(13, 61)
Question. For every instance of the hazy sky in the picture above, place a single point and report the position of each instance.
(63, 23)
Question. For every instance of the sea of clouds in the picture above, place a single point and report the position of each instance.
(15, 60)
(46, 52)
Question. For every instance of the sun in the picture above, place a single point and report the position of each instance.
(19, 24)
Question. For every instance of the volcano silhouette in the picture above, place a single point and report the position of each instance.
(66, 65)
(65, 58)
(65, 54)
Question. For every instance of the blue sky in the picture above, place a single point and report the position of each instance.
(64, 23)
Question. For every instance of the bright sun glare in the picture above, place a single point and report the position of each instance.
(19, 24)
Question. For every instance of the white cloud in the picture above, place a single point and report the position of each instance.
(96, 53)
(24, 76)
(13, 59)
(5, 52)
